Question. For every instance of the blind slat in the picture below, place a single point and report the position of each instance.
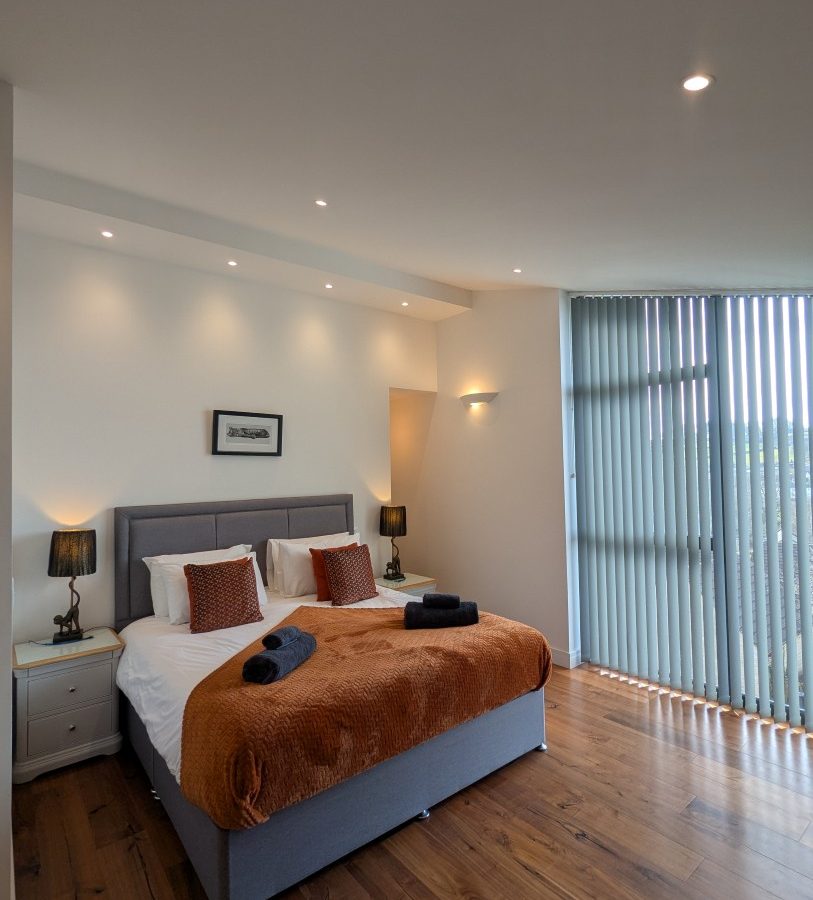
(704, 485)
(628, 407)
(688, 321)
(757, 529)
(617, 426)
(714, 318)
(668, 316)
(658, 494)
(583, 472)
(611, 561)
(800, 472)
(771, 531)
(743, 541)
(648, 511)
(636, 508)
(598, 615)
(785, 507)
(807, 609)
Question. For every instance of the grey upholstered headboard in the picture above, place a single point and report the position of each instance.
(186, 527)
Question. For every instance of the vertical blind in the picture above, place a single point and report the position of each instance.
(693, 478)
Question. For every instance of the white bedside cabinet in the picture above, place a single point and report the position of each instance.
(66, 702)
(416, 585)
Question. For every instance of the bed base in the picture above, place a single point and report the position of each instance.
(295, 842)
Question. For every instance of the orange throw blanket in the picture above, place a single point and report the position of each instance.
(370, 691)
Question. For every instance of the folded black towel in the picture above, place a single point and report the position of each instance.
(416, 615)
(271, 665)
(441, 601)
(281, 637)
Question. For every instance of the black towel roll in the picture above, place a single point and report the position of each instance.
(441, 601)
(281, 637)
(416, 615)
(272, 665)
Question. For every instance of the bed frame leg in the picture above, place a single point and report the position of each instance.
(423, 814)
(542, 748)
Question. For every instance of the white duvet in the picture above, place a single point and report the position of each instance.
(162, 663)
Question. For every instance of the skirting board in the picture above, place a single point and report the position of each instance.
(567, 659)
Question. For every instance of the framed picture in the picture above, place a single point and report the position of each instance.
(246, 433)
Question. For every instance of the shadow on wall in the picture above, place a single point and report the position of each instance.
(410, 419)
(483, 415)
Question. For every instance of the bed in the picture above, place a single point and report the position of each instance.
(263, 860)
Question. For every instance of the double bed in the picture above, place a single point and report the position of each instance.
(163, 664)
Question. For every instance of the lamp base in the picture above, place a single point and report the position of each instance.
(395, 577)
(68, 638)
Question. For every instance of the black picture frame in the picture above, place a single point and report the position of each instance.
(262, 437)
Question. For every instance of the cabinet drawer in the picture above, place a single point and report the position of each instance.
(420, 591)
(70, 729)
(69, 689)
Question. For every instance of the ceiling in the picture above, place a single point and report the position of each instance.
(453, 139)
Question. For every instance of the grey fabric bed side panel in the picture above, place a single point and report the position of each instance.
(188, 527)
(136, 733)
(296, 842)
(206, 845)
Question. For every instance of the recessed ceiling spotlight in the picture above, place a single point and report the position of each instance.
(107, 234)
(232, 262)
(405, 303)
(517, 271)
(698, 82)
(328, 285)
(321, 202)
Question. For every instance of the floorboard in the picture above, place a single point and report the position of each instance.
(644, 793)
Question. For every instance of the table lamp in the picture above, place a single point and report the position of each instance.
(393, 525)
(73, 553)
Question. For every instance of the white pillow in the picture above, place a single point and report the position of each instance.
(178, 589)
(322, 540)
(160, 600)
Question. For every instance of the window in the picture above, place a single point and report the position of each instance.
(693, 461)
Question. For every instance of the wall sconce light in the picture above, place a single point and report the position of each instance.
(470, 400)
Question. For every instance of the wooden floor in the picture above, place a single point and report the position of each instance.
(642, 794)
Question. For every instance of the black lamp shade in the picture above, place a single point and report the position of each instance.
(73, 552)
(393, 521)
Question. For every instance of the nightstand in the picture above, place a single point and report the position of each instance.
(416, 585)
(66, 702)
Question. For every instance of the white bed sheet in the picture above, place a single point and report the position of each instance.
(162, 663)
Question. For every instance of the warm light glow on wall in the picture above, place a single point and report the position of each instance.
(380, 490)
(70, 513)
(315, 339)
(216, 321)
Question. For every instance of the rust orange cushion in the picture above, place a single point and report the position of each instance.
(322, 589)
(350, 575)
(222, 595)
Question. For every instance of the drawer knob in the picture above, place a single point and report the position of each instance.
(71, 728)
(71, 690)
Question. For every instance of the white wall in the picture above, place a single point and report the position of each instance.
(490, 520)
(6, 194)
(118, 364)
